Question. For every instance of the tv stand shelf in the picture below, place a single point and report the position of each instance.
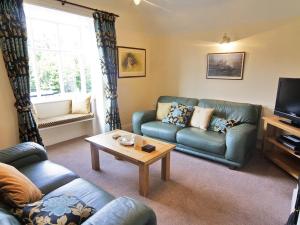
(279, 154)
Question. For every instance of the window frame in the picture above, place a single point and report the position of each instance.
(32, 49)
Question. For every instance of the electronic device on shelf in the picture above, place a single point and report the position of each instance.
(290, 141)
(288, 101)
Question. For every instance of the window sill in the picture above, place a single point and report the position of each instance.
(36, 100)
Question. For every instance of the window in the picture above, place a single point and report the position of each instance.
(62, 50)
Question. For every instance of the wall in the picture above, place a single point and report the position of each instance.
(8, 123)
(269, 55)
(133, 95)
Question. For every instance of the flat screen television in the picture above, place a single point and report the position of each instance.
(288, 100)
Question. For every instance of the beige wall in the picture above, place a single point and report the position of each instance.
(134, 94)
(176, 66)
(269, 55)
(8, 115)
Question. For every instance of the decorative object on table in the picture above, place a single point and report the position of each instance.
(62, 209)
(179, 115)
(201, 117)
(131, 62)
(229, 66)
(116, 136)
(138, 141)
(126, 140)
(148, 148)
(221, 125)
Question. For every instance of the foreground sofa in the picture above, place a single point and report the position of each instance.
(233, 148)
(52, 179)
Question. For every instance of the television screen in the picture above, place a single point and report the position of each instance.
(288, 99)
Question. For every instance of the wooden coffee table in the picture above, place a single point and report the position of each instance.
(143, 160)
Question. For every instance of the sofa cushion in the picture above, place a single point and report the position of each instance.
(201, 117)
(163, 110)
(81, 105)
(15, 188)
(90, 194)
(48, 176)
(221, 125)
(242, 112)
(205, 140)
(160, 130)
(179, 115)
(63, 119)
(62, 209)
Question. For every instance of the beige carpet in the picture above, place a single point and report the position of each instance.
(200, 192)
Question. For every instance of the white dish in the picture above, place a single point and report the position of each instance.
(126, 140)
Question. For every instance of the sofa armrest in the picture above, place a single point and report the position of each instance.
(240, 141)
(138, 118)
(123, 211)
(7, 218)
(23, 154)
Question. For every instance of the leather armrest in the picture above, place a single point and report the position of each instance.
(7, 219)
(240, 141)
(123, 211)
(23, 154)
(138, 118)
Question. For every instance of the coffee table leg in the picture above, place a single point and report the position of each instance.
(95, 158)
(165, 167)
(143, 180)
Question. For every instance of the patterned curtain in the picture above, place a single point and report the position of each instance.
(13, 40)
(106, 42)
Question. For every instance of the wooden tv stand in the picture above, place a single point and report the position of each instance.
(279, 154)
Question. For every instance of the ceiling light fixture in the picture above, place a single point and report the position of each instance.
(137, 2)
(225, 39)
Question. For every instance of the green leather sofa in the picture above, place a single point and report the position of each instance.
(52, 179)
(233, 148)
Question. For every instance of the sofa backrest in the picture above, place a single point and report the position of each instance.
(242, 112)
(180, 100)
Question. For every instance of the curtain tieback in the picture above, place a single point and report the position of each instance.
(22, 108)
(111, 95)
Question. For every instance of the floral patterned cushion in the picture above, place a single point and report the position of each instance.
(221, 125)
(62, 210)
(179, 115)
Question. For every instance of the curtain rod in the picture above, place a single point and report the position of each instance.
(63, 2)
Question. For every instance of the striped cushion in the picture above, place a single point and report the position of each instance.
(63, 119)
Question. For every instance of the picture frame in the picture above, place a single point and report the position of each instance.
(225, 66)
(131, 62)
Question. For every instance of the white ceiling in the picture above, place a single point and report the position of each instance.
(204, 18)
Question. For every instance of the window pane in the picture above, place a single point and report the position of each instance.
(71, 73)
(69, 37)
(88, 79)
(31, 75)
(47, 70)
(45, 35)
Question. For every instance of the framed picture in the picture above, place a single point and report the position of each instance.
(229, 66)
(131, 62)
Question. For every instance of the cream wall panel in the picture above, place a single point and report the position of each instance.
(8, 115)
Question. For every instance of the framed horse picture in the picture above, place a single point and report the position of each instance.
(131, 62)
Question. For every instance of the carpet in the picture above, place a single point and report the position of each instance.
(200, 192)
